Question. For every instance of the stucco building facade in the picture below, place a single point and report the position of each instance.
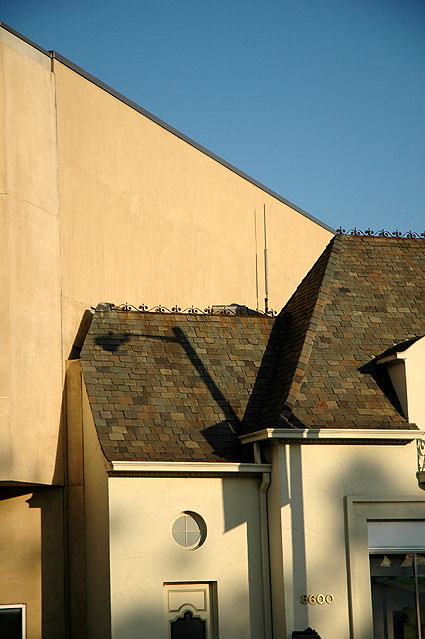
(159, 469)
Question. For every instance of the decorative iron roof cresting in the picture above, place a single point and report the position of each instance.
(381, 233)
(191, 310)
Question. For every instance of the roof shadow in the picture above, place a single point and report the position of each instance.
(382, 379)
(265, 377)
(222, 436)
(233, 419)
(112, 341)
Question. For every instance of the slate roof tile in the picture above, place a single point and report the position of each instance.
(183, 387)
(363, 296)
(197, 383)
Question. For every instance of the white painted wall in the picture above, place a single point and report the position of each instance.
(314, 483)
(407, 373)
(143, 554)
(415, 378)
(96, 529)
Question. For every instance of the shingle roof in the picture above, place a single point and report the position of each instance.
(170, 387)
(177, 387)
(363, 296)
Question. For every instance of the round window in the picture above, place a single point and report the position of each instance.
(189, 530)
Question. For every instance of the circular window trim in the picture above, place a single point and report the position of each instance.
(202, 530)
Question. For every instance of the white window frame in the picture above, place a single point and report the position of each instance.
(359, 510)
(23, 608)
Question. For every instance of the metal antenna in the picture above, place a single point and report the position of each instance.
(266, 270)
(256, 256)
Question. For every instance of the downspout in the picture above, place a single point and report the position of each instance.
(265, 556)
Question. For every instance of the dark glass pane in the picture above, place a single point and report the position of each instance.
(11, 623)
(188, 627)
(393, 596)
(420, 567)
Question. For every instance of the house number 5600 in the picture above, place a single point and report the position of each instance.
(320, 599)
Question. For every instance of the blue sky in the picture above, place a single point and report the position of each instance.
(321, 100)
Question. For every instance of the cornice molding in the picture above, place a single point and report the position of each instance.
(134, 468)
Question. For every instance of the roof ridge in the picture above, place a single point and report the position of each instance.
(307, 345)
(368, 295)
(301, 314)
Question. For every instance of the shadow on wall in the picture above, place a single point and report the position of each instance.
(140, 611)
(82, 331)
(66, 523)
(144, 622)
(235, 493)
(35, 553)
(320, 557)
(49, 501)
(382, 379)
(314, 512)
(292, 500)
(58, 473)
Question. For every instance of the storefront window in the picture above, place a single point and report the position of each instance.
(398, 595)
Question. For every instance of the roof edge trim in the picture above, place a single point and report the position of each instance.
(392, 359)
(186, 467)
(402, 355)
(333, 434)
(102, 85)
(13, 31)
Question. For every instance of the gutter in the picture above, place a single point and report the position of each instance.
(265, 556)
(333, 435)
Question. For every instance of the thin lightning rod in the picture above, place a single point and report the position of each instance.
(256, 256)
(266, 270)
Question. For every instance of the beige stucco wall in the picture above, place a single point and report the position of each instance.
(30, 328)
(276, 497)
(31, 558)
(146, 217)
(96, 529)
(397, 373)
(315, 481)
(143, 555)
(99, 203)
(415, 382)
(407, 373)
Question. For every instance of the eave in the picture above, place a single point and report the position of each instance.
(333, 435)
(183, 469)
